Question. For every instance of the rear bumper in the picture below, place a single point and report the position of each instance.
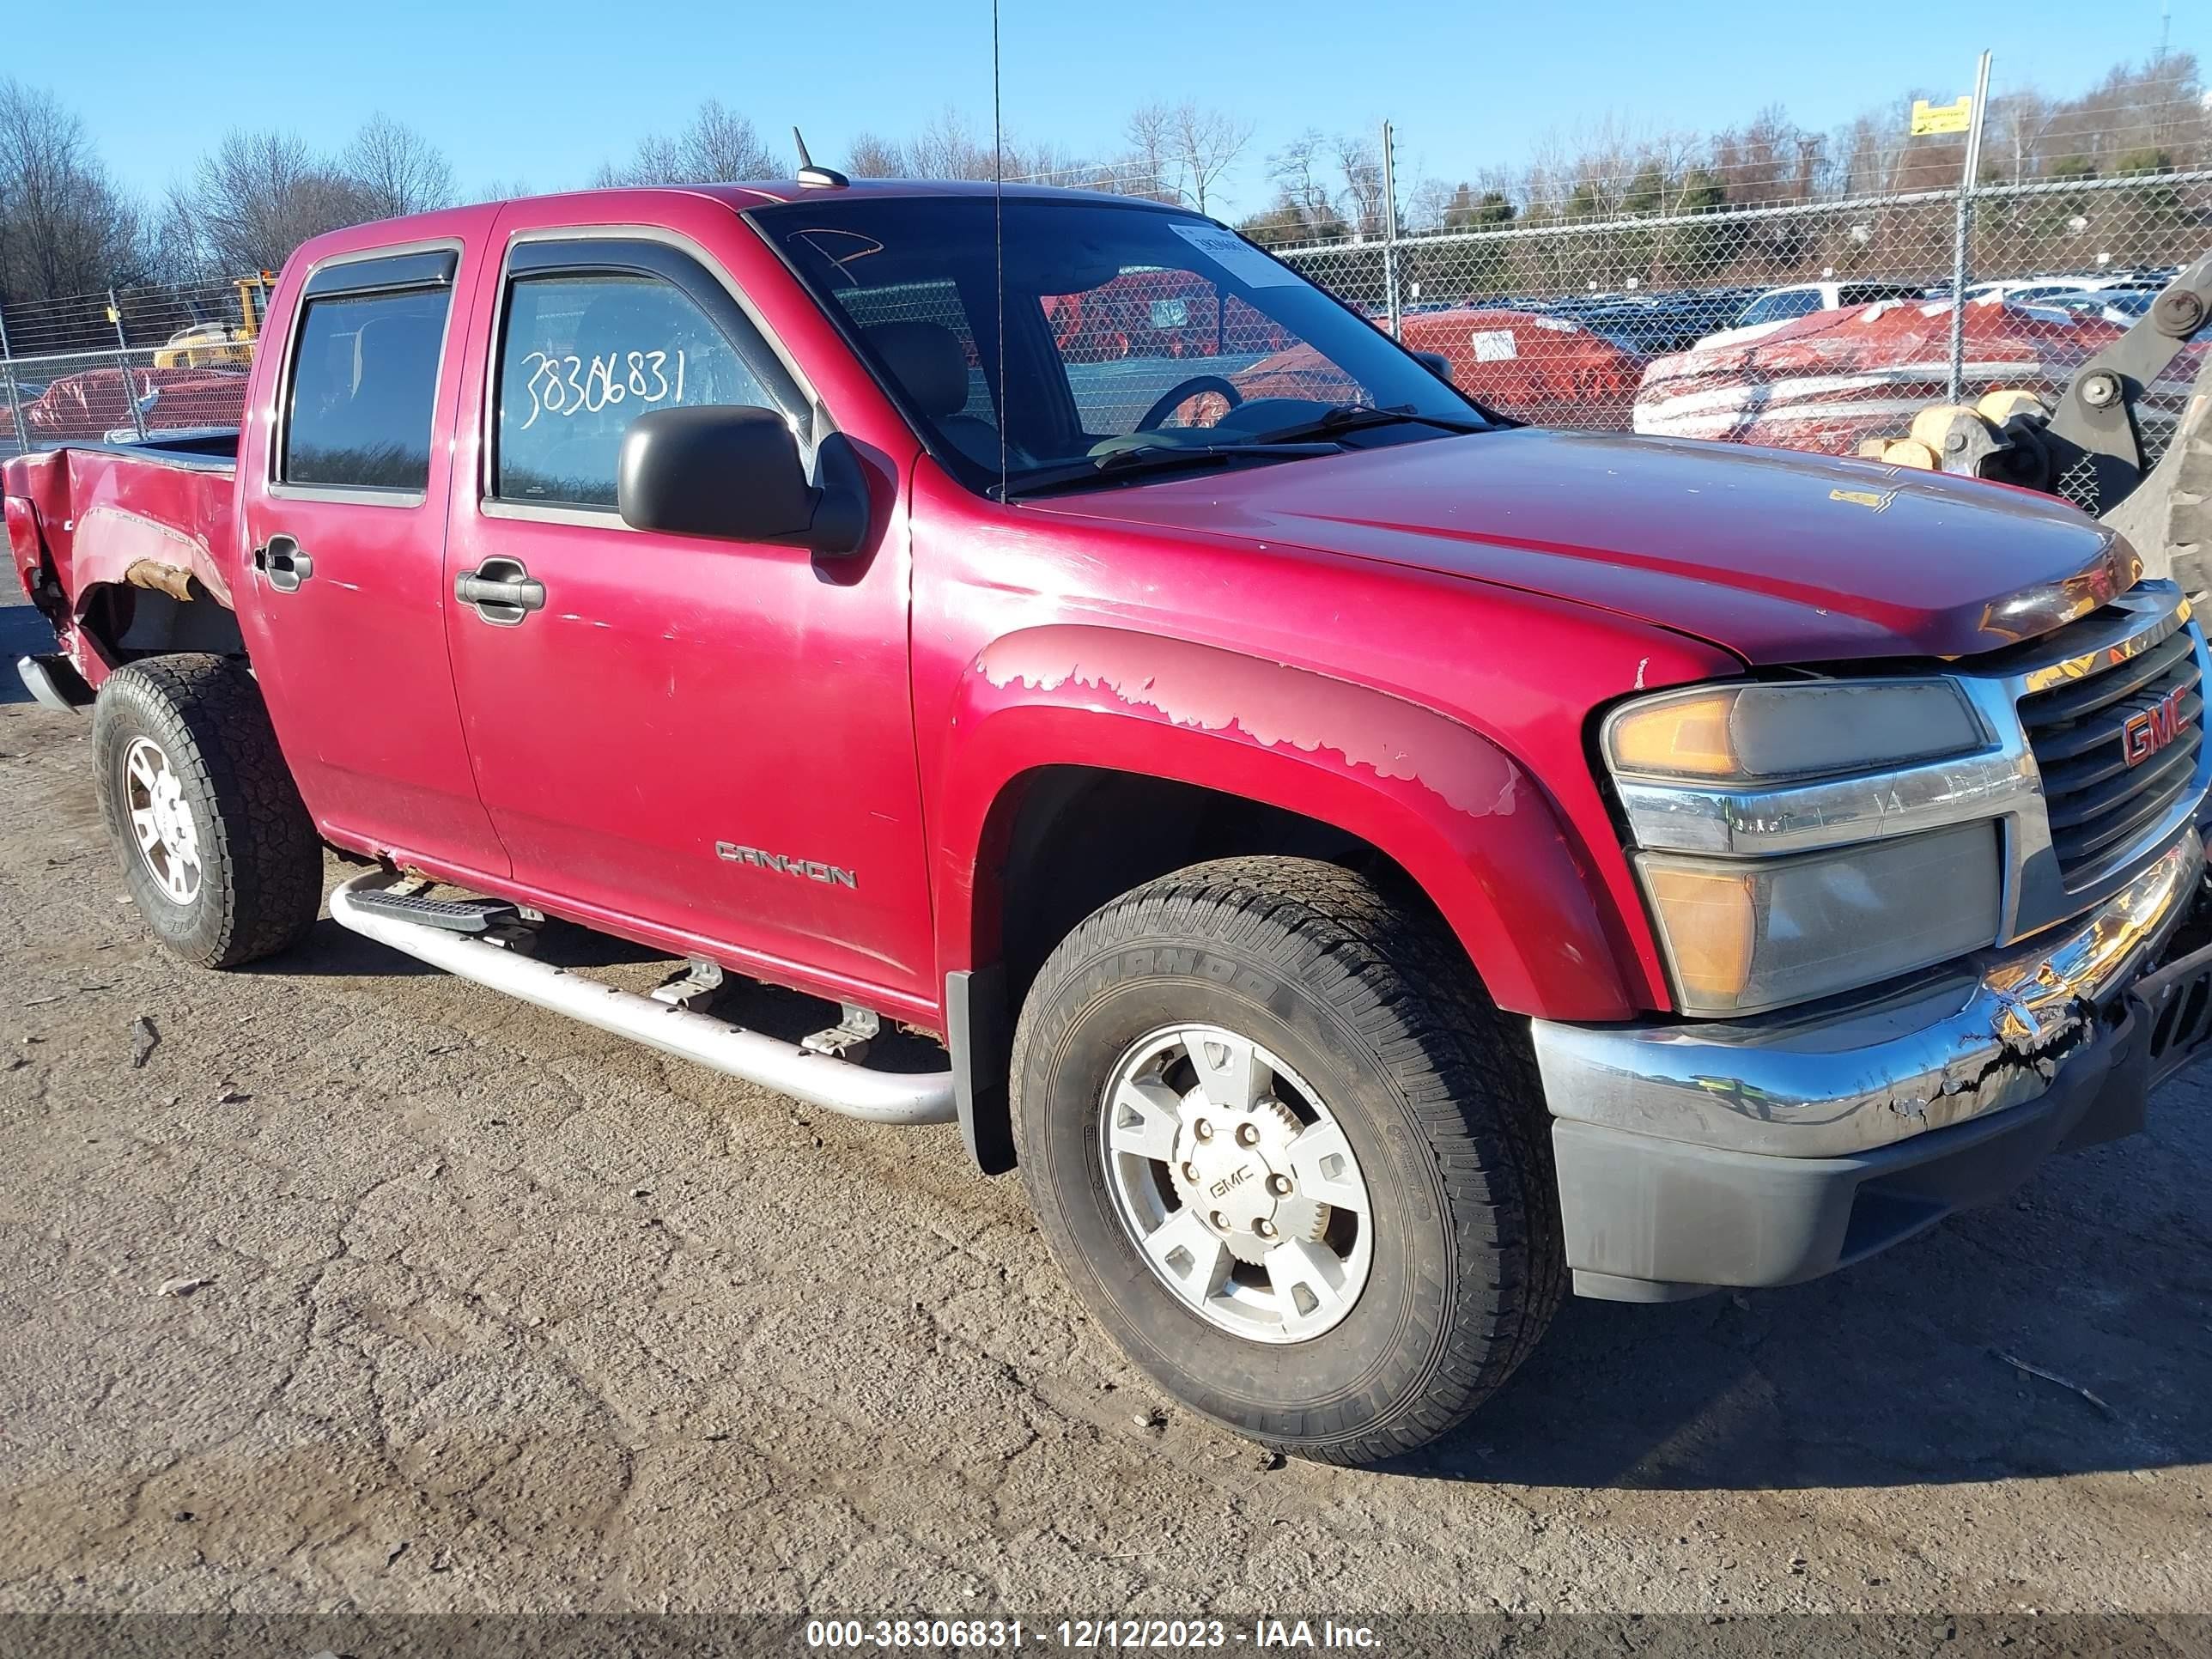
(1768, 1152)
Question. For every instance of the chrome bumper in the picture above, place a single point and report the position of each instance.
(53, 682)
(1989, 1035)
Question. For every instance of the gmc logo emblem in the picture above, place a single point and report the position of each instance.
(2147, 732)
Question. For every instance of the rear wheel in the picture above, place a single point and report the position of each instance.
(1289, 1159)
(218, 851)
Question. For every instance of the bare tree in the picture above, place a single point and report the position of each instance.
(872, 157)
(1360, 165)
(1299, 171)
(260, 195)
(175, 251)
(945, 149)
(398, 170)
(1153, 167)
(65, 227)
(1207, 143)
(718, 146)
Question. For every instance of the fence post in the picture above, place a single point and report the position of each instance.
(1962, 232)
(123, 367)
(14, 398)
(1390, 235)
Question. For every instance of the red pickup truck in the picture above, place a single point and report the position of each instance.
(1372, 866)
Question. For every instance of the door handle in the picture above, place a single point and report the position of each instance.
(501, 591)
(283, 563)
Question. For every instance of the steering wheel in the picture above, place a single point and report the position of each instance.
(1181, 393)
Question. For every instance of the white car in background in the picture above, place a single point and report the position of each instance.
(1778, 305)
(2033, 290)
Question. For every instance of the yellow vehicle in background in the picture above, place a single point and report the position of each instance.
(224, 344)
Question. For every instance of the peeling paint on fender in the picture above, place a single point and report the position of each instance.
(1271, 705)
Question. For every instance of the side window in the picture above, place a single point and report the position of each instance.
(364, 378)
(586, 353)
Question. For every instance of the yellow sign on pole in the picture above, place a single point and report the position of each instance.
(1941, 118)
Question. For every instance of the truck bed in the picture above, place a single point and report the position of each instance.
(157, 515)
(127, 549)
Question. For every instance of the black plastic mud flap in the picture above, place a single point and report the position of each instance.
(977, 1036)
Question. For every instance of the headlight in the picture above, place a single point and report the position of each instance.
(1746, 934)
(1756, 733)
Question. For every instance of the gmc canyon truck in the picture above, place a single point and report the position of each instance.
(1371, 865)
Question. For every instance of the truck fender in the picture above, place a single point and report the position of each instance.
(1458, 813)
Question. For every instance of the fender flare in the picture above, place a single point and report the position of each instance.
(1459, 814)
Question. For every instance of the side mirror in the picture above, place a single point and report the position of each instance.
(1437, 363)
(734, 473)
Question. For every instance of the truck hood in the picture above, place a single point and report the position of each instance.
(1777, 556)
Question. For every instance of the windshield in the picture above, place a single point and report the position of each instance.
(1128, 328)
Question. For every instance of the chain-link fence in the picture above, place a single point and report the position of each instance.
(1769, 292)
(1814, 325)
(1764, 286)
(125, 363)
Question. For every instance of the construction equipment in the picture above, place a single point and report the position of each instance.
(2090, 448)
(224, 344)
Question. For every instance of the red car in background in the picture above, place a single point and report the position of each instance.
(1546, 370)
(95, 403)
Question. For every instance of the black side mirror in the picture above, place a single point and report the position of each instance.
(734, 473)
(1437, 363)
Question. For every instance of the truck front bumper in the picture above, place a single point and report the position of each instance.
(1765, 1152)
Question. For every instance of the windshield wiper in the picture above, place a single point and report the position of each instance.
(1158, 458)
(1353, 417)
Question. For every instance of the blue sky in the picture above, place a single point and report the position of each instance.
(542, 93)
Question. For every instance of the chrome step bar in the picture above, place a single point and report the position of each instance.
(835, 1085)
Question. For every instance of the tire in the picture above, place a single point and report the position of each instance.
(1363, 1012)
(241, 875)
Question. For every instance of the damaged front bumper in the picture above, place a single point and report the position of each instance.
(1769, 1151)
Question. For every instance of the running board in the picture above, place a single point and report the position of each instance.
(451, 915)
(835, 1085)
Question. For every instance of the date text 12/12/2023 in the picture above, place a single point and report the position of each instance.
(1086, 1634)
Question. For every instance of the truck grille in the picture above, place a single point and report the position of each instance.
(2099, 803)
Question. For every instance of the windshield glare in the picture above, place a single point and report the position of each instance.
(1126, 327)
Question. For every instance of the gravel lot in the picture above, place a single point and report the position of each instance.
(492, 1312)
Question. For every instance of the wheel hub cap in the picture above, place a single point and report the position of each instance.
(1236, 1184)
(160, 820)
(1237, 1178)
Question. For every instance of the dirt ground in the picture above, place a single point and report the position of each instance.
(482, 1310)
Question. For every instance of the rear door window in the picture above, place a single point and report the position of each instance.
(364, 381)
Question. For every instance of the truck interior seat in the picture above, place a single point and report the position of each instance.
(929, 362)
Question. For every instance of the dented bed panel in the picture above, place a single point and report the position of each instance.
(132, 514)
(104, 517)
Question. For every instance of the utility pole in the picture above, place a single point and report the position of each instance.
(1961, 232)
(123, 367)
(1390, 235)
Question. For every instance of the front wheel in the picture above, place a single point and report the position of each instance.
(218, 851)
(1289, 1159)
